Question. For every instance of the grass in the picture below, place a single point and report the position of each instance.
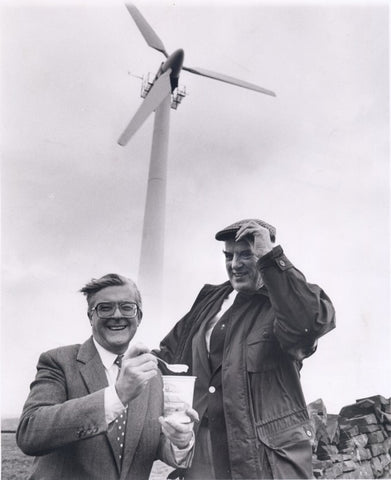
(14, 464)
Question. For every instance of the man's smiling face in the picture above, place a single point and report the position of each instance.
(241, 265)
(113, 333)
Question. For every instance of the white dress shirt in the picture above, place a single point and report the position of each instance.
(113, 405)
(212, 322)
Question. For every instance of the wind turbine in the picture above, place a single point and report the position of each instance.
(160, 94)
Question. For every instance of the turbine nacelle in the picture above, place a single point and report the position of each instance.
(174, 63)
(166, 79)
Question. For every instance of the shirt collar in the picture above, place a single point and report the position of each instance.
(107, 358)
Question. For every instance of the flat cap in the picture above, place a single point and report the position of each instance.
(229, 232)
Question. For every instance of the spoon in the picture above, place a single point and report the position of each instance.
(175, 367)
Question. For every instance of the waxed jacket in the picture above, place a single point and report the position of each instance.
(268, 336)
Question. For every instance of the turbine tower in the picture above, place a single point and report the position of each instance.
(160, 94)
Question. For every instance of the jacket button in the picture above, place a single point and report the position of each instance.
(282, 263)
(309, 433)
(212, 389)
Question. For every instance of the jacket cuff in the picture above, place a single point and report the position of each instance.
(274, 258)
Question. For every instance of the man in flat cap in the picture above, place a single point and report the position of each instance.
(245, 340)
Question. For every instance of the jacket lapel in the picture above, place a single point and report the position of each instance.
(211, 306)
(91, 367)
(94, 376)
(201, 365)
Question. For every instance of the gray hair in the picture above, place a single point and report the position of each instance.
(110, 280)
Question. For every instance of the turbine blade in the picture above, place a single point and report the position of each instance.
(146, 30)
(227, 79)
(159, 91)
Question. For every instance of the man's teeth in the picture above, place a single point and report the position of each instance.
(117, 327)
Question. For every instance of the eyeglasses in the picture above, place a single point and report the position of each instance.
(107, 309)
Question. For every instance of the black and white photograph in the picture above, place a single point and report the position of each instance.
(195, 234)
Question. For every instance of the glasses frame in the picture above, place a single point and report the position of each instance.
(117, 305)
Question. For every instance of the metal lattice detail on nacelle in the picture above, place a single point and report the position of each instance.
(177, 96)
(147, 83)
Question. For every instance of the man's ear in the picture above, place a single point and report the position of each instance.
(89, 313)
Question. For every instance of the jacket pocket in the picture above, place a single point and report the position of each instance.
(290, 453)
(262, 355)
(289, 436)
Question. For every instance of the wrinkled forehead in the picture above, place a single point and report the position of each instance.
(115, 293)
(235, 247)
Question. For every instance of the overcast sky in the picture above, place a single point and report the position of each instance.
(314, 161)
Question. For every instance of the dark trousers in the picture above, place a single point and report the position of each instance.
(202, 466)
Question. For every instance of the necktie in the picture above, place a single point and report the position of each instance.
(118, 361)
(120, 422)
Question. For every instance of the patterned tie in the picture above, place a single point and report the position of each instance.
(118, 361)
(120, 422)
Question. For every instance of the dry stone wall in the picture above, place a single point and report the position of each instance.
(354, 444)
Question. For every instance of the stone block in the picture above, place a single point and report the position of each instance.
(369, 419)
(320, 429)
(348, 432)
(361, 407)
(365, 471)
(349, 451)
(384, 417)
(361, 454)
(378, 400)
(369, 428)
(341, 457)
(360, 440)
(318, 408)
(335, 471)
(324, 450)
(333, 428)
(349, 466)
(321, 464)
(376, 466)
(357, 441)
(387, 444)
(385, 460)
(375, 437)
(377, 449)
(351, 475)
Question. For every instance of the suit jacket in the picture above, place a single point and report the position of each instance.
(63, 421)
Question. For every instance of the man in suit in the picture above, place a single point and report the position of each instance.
(94, 410)
(245, 341)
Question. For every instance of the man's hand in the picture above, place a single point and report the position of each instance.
(178, 427)
(138, 367)
(261, 243)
